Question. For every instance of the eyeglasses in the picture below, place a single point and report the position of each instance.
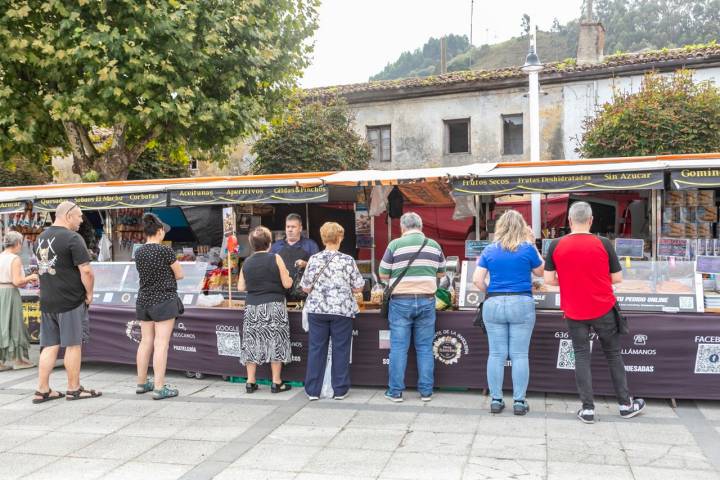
(74, 205)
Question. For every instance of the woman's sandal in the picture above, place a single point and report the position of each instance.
(46, 396)
(280, 387)
(78, 394)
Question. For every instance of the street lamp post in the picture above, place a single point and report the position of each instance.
(532, 67)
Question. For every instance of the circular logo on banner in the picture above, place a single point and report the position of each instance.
(449, 346)
(133, 331)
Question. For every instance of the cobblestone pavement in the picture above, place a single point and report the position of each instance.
(215, 430)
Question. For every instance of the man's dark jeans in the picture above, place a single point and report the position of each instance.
(606, 329)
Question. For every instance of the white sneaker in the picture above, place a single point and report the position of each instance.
(340, 397)
(312, 399)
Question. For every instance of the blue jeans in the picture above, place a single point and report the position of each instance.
(411, 317)
(509, 321)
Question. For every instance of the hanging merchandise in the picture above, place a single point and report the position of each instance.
(395, 203)
(129, 226)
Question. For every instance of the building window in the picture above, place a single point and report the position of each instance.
(193, 164)
(457, 136)
(379, 140)
(512, 134)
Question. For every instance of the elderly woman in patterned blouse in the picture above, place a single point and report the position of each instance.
(330, 279)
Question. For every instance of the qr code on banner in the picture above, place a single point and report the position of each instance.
(708, 358)
(228, 344)
(566, 355)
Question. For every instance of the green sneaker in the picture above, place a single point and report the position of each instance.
(145, 387)
(165, 392)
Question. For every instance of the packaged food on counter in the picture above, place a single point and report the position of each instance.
(691, 230)
(634, 286)
(674, 229)
(376, 294)
(691, 198)
(706, 214)
(704, 230)
(675, 198)
(706, 198)
(673, 286)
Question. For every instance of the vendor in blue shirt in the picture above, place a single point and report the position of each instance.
(294, 249)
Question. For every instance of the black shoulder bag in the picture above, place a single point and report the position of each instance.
(479, 322)
(385, 307)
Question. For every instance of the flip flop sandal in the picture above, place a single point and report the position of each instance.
(23, 367)
(46, 397)
(78, 394)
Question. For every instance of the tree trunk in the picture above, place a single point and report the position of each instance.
(114, 164)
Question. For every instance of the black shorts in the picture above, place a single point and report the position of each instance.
(166, 310)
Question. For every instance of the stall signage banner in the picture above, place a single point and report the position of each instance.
(707, 264)
(102, 202)
(12, 207)
(630, 247)
(693, 178)
(249, 195)
(583, 182)
(674, 247)
(474, 248)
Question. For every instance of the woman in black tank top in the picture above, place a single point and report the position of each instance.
(266, 330)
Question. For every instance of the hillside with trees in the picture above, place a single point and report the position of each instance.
(630, 26)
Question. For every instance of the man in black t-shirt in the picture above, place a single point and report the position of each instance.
(66, 291)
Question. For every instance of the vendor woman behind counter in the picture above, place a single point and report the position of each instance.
(294, 249)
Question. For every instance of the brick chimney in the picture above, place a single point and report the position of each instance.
(591, 41)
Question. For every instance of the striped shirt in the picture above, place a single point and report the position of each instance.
(422, 275)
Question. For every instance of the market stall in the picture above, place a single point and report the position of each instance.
(674, 348)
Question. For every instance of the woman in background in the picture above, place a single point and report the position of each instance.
(14, 337)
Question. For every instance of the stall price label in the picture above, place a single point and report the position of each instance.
(630, 247)
(474, 248)
(707, 264)
(674, 247)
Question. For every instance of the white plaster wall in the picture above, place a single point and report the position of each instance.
(582, 99)
(418, 131)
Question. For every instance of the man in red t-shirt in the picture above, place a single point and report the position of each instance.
(585, 266)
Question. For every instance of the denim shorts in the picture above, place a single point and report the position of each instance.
(166, 310)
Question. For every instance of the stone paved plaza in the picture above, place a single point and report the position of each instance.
(215, 430)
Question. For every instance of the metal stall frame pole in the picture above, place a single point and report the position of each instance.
(307, 219)
(478, 204)
(655, 220)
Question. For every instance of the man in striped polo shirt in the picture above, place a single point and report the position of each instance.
(412, 305)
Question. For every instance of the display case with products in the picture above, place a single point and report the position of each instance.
(649, 286)
(117, 283)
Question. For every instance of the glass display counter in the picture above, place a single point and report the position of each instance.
(117, 283)
(648, 286)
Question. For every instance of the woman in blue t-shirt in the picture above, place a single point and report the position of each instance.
(509, 308)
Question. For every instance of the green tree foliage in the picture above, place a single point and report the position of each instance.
(630, 26)
(201, 73)
(23, 172)
(159, 162)
(423, 61)
(311, 137)
(668, 115)
(633, 25)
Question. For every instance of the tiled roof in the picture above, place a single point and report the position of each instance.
(650, 59)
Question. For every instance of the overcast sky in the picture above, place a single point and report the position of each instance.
(357, 38)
